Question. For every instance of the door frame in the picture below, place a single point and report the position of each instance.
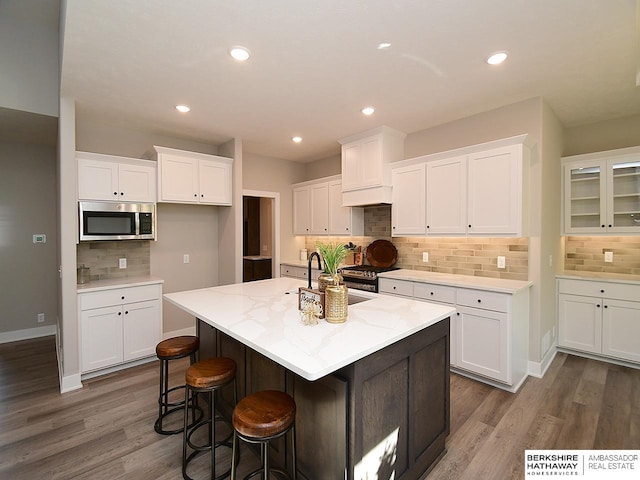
(275, 196)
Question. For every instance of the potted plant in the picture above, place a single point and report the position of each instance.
(330, 281)
(332, 256)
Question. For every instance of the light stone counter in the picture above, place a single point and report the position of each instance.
(112, 283)
(464, 281)
(601, 276)
(264, 317)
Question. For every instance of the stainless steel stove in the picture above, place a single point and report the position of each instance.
(363, 277)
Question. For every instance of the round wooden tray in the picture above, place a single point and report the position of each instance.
(382, 253)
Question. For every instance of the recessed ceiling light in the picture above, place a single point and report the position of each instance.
(383, 46)
(497, 58)
(183, 108)
(368, 110)
(296, 139)
(240, 53)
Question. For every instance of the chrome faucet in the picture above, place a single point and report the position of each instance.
(317, 255)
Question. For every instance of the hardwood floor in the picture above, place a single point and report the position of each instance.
(105, 430)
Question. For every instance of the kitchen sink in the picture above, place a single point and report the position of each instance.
(351, 300)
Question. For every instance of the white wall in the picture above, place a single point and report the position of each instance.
(607, 135)
(27, 206)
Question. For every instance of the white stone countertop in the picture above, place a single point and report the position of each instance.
(264, 317)
(600, 276)
(112, 283)
(300, 263)
(468, 281)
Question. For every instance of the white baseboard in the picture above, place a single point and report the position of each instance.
(178, 333)
(69, 383)
(538, 369)
(27, 333)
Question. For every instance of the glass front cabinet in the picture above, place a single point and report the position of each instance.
(602, 192)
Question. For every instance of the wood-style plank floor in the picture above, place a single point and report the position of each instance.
(105, 430)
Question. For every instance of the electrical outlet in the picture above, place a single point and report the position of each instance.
(551, 260)
(502, 262)
(608, 257)
(122, 263)
(185, 258)
(425, 257)
(41, 318)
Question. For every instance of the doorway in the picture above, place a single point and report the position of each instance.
(260, 235)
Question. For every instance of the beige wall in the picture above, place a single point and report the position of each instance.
(29, 58)
(324, 168)
(607, 135)
(277, 175)
(27, 206)
(185, 229)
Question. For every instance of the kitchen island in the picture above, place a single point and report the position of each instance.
(372, 393)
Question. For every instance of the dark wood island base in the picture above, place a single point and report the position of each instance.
(386, 413)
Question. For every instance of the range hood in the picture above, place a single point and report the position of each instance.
(366, 166)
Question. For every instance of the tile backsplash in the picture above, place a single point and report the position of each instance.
(586, 254)
(102, 258)
(458, 255)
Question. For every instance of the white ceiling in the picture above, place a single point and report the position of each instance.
(315, 64)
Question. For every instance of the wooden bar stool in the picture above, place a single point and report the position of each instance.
(167, 350)
(208, 375)
(259, 418)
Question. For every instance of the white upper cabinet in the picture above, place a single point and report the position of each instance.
(318, 210)
(478, 193)
(602, 192)
(495, 191)
(343, 220)
(408, 200)
(446, 196)
(190, 177)
(107, 177)
(366, 171)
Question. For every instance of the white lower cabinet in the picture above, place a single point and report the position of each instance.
(489, 333)
(298, 272)
(599, 317)
(119, 325)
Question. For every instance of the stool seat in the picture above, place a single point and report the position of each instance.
(167, 350)
(211, 372)
(207, 376)
(264, 414)
(177, 347)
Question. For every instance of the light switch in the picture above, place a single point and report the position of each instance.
(39, 238)
(608, 257)
(425, 257)
(502, 262)
(122, 263)
(185, 258)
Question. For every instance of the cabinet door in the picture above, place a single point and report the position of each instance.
(301, 211)
(494, 202)
(178, 179)
(319, 208)
(621, 329)
(141, 329)
(584, 199)
(408, 200)
(446, 202)
(580, 322)
(623, 195)
(214, 182)
(97, 180)
(137, 183)
(352, 159)
(482, 343)
(371, 162)
(343, 220)
(101, 337)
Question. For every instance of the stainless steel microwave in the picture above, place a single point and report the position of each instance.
(117, 221)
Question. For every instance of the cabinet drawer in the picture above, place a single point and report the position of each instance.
(395, 287)
(119, 296)
(618, 291)
(436, 293)
(498, 302)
